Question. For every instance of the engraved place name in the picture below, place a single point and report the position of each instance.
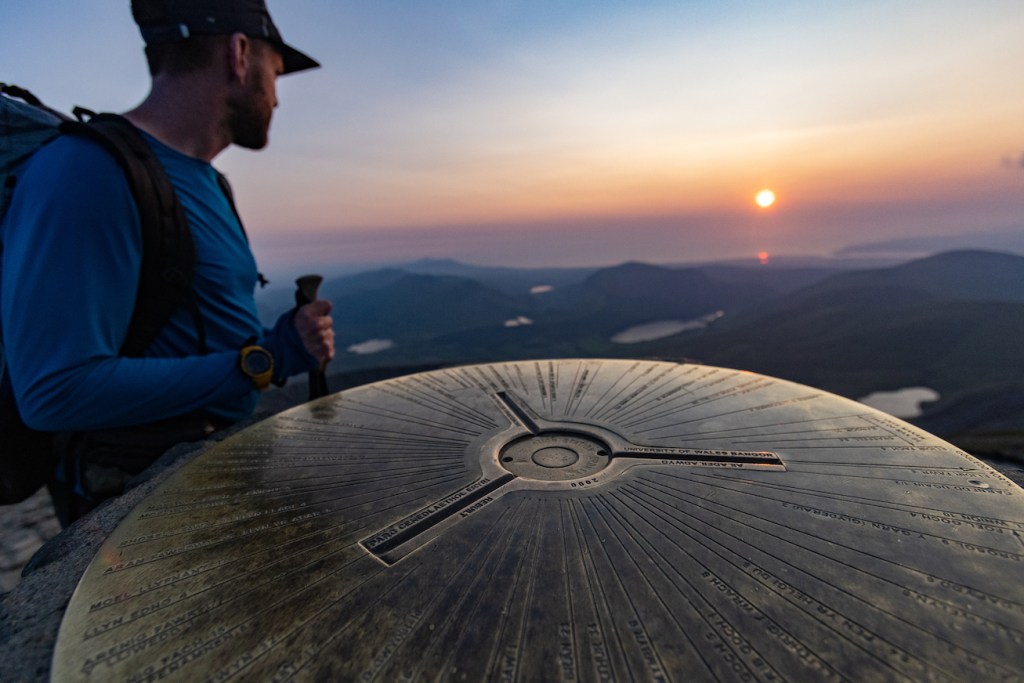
(647, 651)
(567, 652)
(402, 531)
(392, 645)
(736, 651)
(197, 545)
(702, 457)
(768, 625)
(994, 521)
(953, 487)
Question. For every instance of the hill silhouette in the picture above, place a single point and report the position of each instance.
(951, 322)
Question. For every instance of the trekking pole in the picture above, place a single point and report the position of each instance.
(305, 293)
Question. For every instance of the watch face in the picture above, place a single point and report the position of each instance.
(257, 361)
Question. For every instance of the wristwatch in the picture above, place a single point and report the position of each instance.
(258, 365)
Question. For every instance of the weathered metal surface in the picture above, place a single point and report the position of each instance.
(564, 520)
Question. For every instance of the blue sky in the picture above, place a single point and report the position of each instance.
(571, 133)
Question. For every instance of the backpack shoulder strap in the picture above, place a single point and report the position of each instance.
(225, 187)
(168, 252)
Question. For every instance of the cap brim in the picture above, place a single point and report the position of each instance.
(295, 60)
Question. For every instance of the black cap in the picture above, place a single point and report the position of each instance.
(168, 21)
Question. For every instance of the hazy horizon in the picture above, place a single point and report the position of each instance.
(567, 133)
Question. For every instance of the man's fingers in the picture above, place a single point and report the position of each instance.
(316, 329)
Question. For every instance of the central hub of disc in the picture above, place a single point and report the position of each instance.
(555, 456)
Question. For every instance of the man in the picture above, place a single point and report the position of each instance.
(72, 257)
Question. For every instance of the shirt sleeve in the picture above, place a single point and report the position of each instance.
(72, 251)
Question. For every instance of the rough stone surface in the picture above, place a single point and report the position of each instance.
(31, 613)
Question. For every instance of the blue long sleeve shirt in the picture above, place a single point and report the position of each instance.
(72, 253)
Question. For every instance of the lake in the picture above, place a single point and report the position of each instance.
(371, 346)
(664, 328)
(903, 403)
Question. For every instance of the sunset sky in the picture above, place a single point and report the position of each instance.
(589, 132)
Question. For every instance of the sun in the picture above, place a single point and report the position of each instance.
(765, 198)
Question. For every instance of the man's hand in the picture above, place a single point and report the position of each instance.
(315, 327)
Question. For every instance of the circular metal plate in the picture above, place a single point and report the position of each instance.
(564, 520)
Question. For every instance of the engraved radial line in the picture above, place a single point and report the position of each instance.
(476, 587)
(747, 409)
(409, 419)
(455, 376)
(857, 551)
(190, 575)
(744, 492)
(602, 611)
(674, 405)
(653, 397)
(701, 392)
(293, 491)
(965, 468)
(650, 550)
(232, 580)
(447, 402)
(338, 632)
(354, 459)
(587, 567)
(862, 500)
(150, 538)
(574, 389)
(371, 430)
(757, 430)
(601, 583)
(488, 548)
(696, 402)
(249, 588)
(367, 472)
(522, 379)
(403, 418)
(608, 514)
(309, 432)
(533, 550)
(255, 616)
(588, 389)
(452, 407)
(657, 509)
(218, 542)
(567, 588)
(542, 389)
(613, 410)
(849, 498)
(554, 370)
(685, 529)
(597, 406)
(501, 377)
(882, 426)
(493, 662)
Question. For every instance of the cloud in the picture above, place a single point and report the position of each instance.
(1014, 162)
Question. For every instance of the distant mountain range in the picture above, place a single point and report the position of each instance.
(952, 322)
(1007, 241)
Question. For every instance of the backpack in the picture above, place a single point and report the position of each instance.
(27, 457)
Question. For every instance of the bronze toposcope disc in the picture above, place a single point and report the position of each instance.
(560, 521)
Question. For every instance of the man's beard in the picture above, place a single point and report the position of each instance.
(249, 119)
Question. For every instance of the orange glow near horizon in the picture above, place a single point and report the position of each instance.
(762, 257)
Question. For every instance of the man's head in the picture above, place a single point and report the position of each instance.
(170, 22)
(233, 41)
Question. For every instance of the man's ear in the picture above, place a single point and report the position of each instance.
(239, 56)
